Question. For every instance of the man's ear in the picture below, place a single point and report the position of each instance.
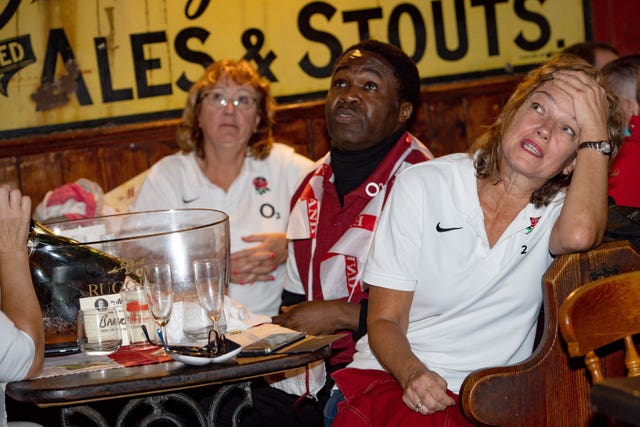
(406, 108)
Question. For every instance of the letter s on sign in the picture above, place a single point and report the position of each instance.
(332, 43)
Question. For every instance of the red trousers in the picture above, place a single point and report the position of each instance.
(374, 398)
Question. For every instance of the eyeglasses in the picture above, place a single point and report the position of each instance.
(218, 100)
(217, 344)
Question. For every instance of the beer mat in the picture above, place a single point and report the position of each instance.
(80, 362)
(128, 357)
(75, 364)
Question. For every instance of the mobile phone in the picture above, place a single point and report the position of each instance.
(61, 348)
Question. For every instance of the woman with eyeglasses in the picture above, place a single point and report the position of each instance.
(229, 161)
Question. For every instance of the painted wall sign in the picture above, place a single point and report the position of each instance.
(78, 63)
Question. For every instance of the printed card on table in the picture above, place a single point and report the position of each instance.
(109, 300)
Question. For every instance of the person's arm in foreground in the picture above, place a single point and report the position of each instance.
(387, 325)
(320, 317)
(316, 317)
(18, 298)
(583, 218)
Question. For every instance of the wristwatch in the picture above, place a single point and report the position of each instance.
(602, 146)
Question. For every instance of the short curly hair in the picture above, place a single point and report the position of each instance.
(489, 145)
(189, 134)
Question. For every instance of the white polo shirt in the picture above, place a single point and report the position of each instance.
(16, 357)
(258, 201)
(473, 306)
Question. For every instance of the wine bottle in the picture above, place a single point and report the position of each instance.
(64, 270)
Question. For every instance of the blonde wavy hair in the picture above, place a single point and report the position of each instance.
(489, 145)
(189, 134)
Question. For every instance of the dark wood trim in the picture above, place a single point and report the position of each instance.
(450, 117)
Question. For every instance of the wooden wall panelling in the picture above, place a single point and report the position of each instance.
(40, 173)
(303, 126)
(480, 112)
(82, 163)
(9, 172)
(319, 137)
(156, 150)
(419, 127)
(294, 133)
(126, 153)
(446, 122)
(122, 162)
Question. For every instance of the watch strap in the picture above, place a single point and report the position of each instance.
(602, 146)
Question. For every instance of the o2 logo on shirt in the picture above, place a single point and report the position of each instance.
(268, 211)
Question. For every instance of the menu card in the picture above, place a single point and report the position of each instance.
(108, 300)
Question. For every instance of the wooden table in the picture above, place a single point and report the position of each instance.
(153, 385)
(618, 398)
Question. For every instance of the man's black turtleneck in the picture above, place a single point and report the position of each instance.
(351, 168)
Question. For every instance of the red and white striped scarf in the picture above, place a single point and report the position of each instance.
(341, 269)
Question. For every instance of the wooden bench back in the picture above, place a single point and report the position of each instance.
(550, 388)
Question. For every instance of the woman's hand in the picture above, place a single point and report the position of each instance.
(589, 102)
(426, 392)
(15, 211)
(257, 263)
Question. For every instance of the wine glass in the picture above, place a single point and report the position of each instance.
(209, 282)
(157, 288)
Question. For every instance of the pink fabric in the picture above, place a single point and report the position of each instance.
(62, 195)
(374, 399)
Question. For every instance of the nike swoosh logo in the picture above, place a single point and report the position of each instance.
(187, 201)
(444, 230)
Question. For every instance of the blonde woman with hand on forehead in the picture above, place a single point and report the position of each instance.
(454, 272)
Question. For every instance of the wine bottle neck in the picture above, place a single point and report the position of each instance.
(32, 243)
(33, 239)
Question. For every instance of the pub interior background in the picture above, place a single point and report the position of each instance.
(114, 148)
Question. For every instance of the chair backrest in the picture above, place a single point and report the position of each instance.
(601, 313)
(549, 388)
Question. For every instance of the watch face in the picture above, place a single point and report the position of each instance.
(602, 146)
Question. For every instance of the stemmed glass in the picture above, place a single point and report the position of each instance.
(159, 292)
(209, 282)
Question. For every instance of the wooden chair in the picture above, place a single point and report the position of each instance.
(549, 388)
(600, 313)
